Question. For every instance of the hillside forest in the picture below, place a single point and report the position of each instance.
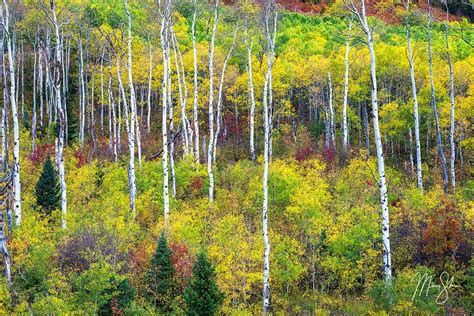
(239, 157)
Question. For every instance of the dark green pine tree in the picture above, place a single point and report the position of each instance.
(72, 126)
(47, 188)
(160, 283)
(202, 295)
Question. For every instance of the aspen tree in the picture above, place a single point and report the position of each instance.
(60, 109)
(387, 260)
(268, 11)
(451, 98)
(211, 42)
(433, 104)
(345, 129)
(5, 16)
(196, 86)
(419, 175)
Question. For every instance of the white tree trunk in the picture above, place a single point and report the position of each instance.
(171, 118)
(40, 84)
(419, 174)
(4, 119)
(33, 114)
(196, 87)
(332, 128)
(345, 129)
(182, 96)
(150, 76)
(211, 101)
(109, 111)
(452, 113)
(220, 94)
(249, 45)
(16, 126)
(164, 39)
(412, 164)
(435, 109)
(112, 122)
(133, 116)
(61, 113)
(7, 261)
(82, 100)
(131, 140)
(102, 94)
(387, 260)
(269, 8)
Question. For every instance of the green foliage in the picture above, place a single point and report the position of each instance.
(101, 289)
(47, 188)
(410, 289)
(202, 296)
(161, 287)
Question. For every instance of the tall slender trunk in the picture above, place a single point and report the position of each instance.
(451, 97)
(196, 87)
(40, 84)
(133, 117)
(269, 9)
(435, 109)
(164, 39)
(119, 122)
(14, 107)
(7, 261)
(61, 113)
(131, 139)
(387, 260)
(109, 99)
(65, 67)
(112, 122)
(271, 106)
(332, 128)
(412, 164)
(33, 114)
(82, 96)
(419, 174)
(182, 94)
(4, 119)
(345, 129)
(210, 171)
(102, 94)
(220, 94)
(171, 119)
(150, 76)
(23, 113)
(249, 45)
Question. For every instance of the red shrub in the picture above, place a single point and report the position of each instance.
(81, 158)
(304, 153)
(41, 151)
(196, 185)
(183, 263)
(443, 234)
(329, 154)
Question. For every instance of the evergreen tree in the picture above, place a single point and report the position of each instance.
(202, 296)
(47, 188)
(159, 279)
(72, 125)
